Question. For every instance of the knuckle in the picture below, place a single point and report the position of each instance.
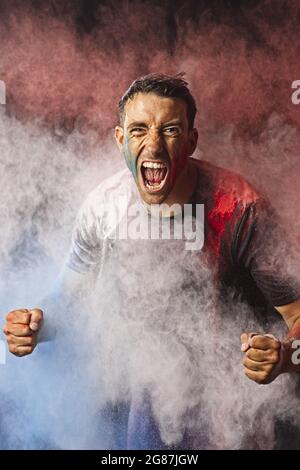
(14, 315)
(268, 368)
(263, 341)
(10, 316)
(10, 340)
(263, 356)
(12, 348)
(275, 357)
(263, 377)
(26, 330)
(26, 317)
(255, 341)
(252, 354)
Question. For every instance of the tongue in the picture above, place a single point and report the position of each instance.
(155, 175)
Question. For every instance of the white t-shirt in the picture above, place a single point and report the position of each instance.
(115, 216)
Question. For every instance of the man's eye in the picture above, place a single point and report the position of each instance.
(171, 130)
(137, 131)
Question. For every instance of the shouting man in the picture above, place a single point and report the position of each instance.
(157, 137)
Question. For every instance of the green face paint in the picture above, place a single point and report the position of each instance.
(130, 159)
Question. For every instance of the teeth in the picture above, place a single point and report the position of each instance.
(153, 165)
(153, 186)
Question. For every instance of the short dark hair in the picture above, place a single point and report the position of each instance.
(171, 86)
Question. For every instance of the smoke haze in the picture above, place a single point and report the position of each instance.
(65, 67)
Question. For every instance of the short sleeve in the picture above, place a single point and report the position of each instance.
(85, 252)
(262, 245)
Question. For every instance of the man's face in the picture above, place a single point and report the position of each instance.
(156, 141)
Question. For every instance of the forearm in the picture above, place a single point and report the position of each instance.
(60, 303)
(53, 305)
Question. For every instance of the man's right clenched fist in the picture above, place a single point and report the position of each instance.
(21, 329)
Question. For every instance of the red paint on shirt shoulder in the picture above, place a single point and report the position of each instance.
(219, 216)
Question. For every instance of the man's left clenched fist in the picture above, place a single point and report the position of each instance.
(262, 359)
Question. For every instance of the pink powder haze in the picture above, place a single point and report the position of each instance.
(240, 68)
(65, 65)
(69, 67)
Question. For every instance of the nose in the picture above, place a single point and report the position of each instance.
(155, 143)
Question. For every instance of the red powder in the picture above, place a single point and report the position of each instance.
(221, 213)
(54, 73)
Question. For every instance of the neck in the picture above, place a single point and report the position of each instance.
(184, 186)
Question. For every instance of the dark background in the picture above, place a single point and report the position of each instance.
(68, 61)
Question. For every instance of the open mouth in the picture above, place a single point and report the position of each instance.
(154, 175)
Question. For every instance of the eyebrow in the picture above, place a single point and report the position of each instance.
(143, 124)
(137, 124)
(176, 122)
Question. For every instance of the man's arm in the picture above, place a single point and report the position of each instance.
(263, 248)
(265, 356)
(22, 327)
(25, 328)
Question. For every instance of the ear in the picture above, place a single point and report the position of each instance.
(193, 139)
(119, 136)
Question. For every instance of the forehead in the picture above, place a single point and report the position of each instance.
(151, 108)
